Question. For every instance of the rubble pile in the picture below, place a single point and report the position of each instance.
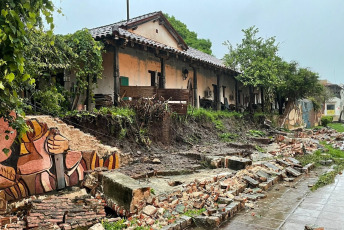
(57, 212)
(217, 198)
(304, 142)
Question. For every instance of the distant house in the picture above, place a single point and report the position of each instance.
(335, 105)
(147, 51)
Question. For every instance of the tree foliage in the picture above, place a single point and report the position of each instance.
(259, 65)
(257, 61)
(297, 83)
(255, 58)
(88, 62)
(16, 19)
(190, 37)
(47, 55)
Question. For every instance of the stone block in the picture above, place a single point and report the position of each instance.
(207, 222)
(283, 162)
(271, 166)
(187, 221)
(293, 160)
(237, 163)
(224, 200)
(124, 191)
(293, 172)
(251, 181)
(232, 208)
(213, 161)
(265, 185)
(308, 167)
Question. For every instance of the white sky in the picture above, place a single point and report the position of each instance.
(310, 32)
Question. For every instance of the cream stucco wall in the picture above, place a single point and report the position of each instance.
(156, 32)
(135, 64)
(106, 84)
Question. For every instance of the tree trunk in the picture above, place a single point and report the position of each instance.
(280, 104)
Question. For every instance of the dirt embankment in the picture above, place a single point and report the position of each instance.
(176, 143)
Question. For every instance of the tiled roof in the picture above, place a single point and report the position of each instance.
(118, 29)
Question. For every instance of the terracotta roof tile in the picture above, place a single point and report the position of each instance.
(118, 28)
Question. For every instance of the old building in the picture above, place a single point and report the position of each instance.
(335, 105)
(147, 51)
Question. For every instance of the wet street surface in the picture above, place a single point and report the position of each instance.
(291, 205)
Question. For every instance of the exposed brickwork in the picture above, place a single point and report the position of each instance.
(55, 211)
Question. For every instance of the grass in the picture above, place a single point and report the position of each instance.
(227, 137)
(120, 224)
(256, 133)
(332, 154)
(215, 117)
(194, 212)
(339, 127)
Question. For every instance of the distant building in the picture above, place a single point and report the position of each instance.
(335, 105)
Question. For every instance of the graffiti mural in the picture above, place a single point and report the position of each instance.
(40, 161)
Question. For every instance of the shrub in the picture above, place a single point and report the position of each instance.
(325, 120)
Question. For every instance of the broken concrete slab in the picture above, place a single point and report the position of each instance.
(308, 167)
(251, 181)
(283, 162)
(237, 163)
(293, 160)
(293, 172)
(124, 191)
(262, 175)
(271, 166)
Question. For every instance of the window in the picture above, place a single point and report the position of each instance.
(330, 107)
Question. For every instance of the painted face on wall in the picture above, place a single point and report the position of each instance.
(37, 146)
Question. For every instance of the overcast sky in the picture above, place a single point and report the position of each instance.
(310, 32)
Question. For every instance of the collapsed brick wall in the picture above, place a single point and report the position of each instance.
(58, 211)
(40, 161)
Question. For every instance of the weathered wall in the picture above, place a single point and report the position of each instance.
(41, 161)
(106, 84)
(153, 30)
(135, 64)
(300, 114)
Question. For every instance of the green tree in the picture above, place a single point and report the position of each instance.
(47, 55)
(190, 37)
(299, 83)
(88, 65)
(16, 19)
(257, 61)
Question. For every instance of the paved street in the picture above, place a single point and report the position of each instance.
(292, 206)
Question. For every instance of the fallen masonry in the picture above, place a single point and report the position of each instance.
(219, 197)
(212, 198)
(57, 212)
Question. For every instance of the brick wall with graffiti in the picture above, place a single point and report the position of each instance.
(40, 161)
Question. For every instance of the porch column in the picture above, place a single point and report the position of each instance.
(218, 95)
(116, 75)
(162, 82)
(236, 95)
(195, 92)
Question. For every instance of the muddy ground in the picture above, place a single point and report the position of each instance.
(189, 140)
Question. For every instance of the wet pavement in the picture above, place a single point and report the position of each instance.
(291, 205)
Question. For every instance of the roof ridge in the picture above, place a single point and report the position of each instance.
(124, 22)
